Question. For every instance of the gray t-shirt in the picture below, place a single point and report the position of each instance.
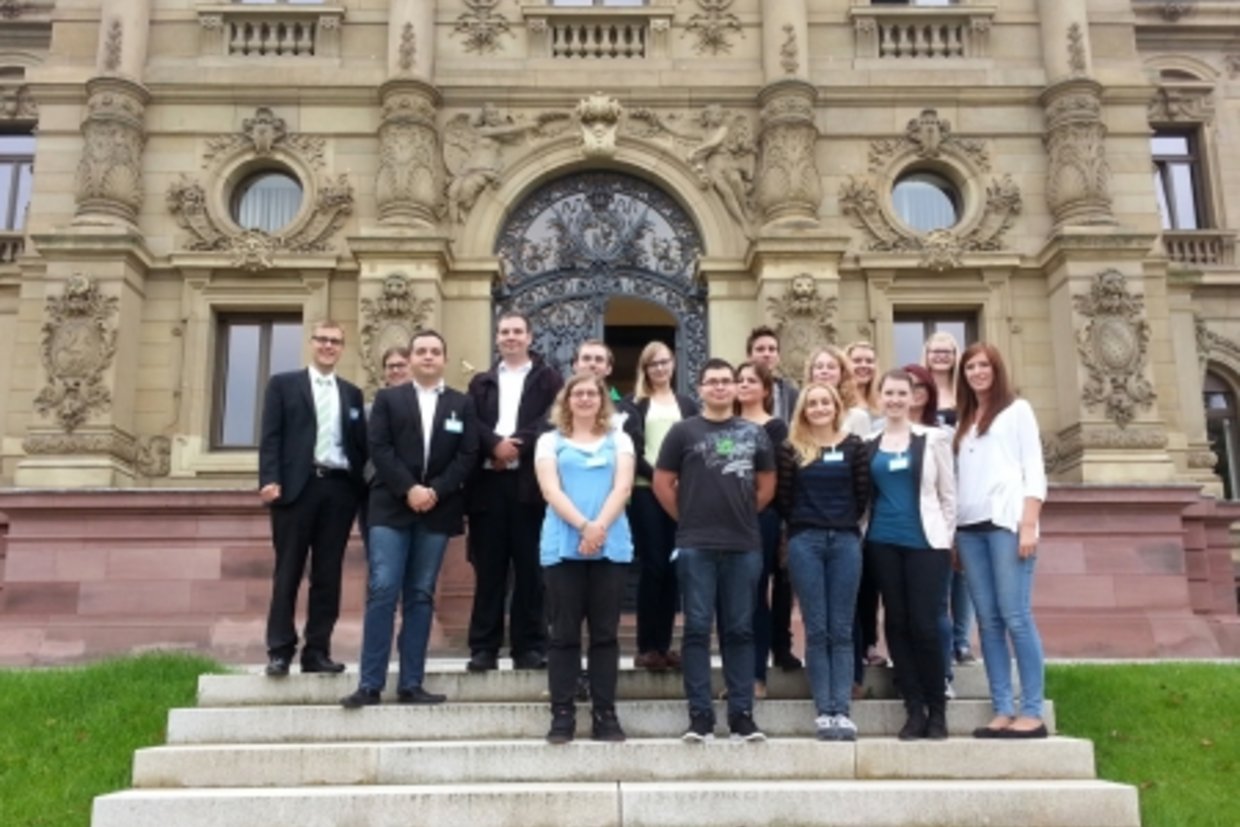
(716, 462)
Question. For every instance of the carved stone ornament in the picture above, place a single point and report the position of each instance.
(1232, 63)
(804, 320)
(928, 137)
(1062, 451)
(788, 186)
(112, 43)
(473, 145)
(712, 26)
(788, 51)
(1175, 105)
(151, 456)
(599, 116)
(262, 135)
(109, 173)
(13, 9)
(79, 342)
(1173, 10)
(1077, 62)
(1211, 345)
(1114, 348)
(409, 184)
(1078, 174)
(482, 26)
(389, 320)
(407, 50)
(16, 103)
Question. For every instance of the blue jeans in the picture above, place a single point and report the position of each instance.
(1001, 584)
(404, 563)
(955, 618)
(825, 568)
(732, 577)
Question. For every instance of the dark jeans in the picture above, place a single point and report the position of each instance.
(769, 525)
(504, 538)
(825, 566)
(654, 537)
(589, 590)
(315, 526)
(912, 582)
(731, 577)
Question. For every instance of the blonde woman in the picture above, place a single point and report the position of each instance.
(585, 470)
(828, 365)
(822, 493)
(864, 358)
(940, 356)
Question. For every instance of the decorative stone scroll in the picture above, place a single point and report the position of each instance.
(1078, 175)
(928, 136)
(1211, 345)
(388, 320)
(409, 184)
(788, 187)
(108, 183)
(79, 343)
(151, 456)
(1114, 349)
(1066, 448)
(804, 319)
(1172, 104)
(262, 135)
(482, 26)
(712, 26)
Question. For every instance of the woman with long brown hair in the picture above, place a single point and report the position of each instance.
(829, 365)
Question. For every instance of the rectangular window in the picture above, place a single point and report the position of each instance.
(250, 349)
(1178, 180)
(16, 180)
(913, 329)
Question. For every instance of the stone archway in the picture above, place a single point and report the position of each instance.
(581, 240)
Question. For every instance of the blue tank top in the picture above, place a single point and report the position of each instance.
(896, 518)
(586, 477)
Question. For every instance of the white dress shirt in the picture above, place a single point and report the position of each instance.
(511, 385)
(428, 400)
(325, 384)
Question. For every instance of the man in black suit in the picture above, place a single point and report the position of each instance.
(505, 505)
(310, 460)
(423, 444)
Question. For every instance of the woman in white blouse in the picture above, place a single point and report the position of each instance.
(1000, 487)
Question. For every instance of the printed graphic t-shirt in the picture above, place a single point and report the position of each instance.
(716, 463)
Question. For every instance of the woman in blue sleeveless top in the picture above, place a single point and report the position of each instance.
(585, 470)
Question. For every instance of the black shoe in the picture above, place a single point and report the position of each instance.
(915, 727)
(529, 660)
(701, 729)
(320, 663)
(787, 661)
(936, 724)
(563, 726)
(605, 726)
(277, 666)
(743, 728)
(418, 695)
(360, 698)
(482, 662)
(1038, 732)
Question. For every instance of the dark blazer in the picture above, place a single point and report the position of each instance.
(542, 383)
(289, 428)
(635, 426)
(397, 451)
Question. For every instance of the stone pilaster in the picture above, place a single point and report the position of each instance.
(785, 33)
(109, 174)
(411, 38)
(410, 182)
(789, 189)
(1078, 176)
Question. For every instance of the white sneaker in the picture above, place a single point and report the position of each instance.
(824, 727)
(949, 691)
(845, 729)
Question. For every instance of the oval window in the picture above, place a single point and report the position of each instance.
(267, 201)
(926, 201)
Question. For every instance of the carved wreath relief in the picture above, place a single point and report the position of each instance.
(712, 26)
(391, 319)
(78, 344)
(804, 320)
(1113, 346)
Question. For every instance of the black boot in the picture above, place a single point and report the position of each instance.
(915, 727)
(563, 725)
(936, 723)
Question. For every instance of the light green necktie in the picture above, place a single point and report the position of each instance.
(323, 441)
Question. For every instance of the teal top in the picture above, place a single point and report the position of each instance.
(587, 477)
(896, 518)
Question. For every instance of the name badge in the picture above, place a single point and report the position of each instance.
(898, 464)
(453, 425)
(596, 462)
(832, 456)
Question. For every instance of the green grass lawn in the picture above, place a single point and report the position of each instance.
(67, 735)
(1170, 729)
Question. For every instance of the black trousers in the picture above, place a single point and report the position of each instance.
(911, 582)
(504, 538)
(781, 612)
(654, 538)
(592, 591)
(315, 526)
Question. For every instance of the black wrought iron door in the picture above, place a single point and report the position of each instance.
(581, 240)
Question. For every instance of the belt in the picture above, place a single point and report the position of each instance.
(324, 471)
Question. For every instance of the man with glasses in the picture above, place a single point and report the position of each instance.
(395, 364)
(715, 472)
(311, 454)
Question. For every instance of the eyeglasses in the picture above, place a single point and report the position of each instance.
(937, 352)
(718, 383)
(584, 394)
(334, 341)
(396, 366)
(659, 363)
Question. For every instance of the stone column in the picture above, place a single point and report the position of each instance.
(109, 174)
(788, 190)
(411, 38)
(785, 39)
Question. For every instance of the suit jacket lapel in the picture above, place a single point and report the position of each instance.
(307, 392)
(414, 404)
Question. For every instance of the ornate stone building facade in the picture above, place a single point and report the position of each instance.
(189, 184)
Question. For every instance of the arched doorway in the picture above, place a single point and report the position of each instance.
(604, 255)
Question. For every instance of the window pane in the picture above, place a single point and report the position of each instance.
(240, 384)
(25, 182)
(1160, 195)
(958, 329)
(1185, 199)
(17, 145)
(268, 202)
(909, 336)
(925, 202)
(285, 347)
(1169, 144)
(7, 173)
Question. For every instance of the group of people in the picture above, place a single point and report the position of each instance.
(919, 486)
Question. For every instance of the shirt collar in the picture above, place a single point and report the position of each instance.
(503, 367)
(315, 375)
(437, 389)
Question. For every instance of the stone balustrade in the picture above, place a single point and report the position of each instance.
(12, 244)
(571, 33)
(1201, 247)
(911, 32)
(270, 30)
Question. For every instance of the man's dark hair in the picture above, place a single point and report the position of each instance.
(515, 314)
(760, 332)
(421, 334)
(714, 363)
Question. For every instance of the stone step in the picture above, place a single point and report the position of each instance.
(627, 804)
(525, 685)
(480, 721)
(292, 765)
